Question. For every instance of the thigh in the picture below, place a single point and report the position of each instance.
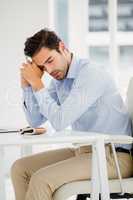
(71, 169)
(32, 163)
(125, 163)
(79, 168)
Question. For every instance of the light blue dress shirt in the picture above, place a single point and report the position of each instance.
(87, 100)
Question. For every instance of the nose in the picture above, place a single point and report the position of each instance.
(48, 69)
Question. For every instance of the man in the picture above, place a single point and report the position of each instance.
(81, 95)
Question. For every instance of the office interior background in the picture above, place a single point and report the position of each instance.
(101, 30)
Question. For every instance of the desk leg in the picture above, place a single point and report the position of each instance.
(95, 176)
(26, 150)
(2, 175)
(102, 164)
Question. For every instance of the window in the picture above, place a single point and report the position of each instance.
(101, 30)
(110, 37)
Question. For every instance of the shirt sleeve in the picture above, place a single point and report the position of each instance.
(84, 93)
(31, 107)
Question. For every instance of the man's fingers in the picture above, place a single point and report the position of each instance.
(21, 73)
(28, 65)
(33, 64)
(21, 67)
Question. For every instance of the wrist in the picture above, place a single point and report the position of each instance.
(38, 85)
(24, 83)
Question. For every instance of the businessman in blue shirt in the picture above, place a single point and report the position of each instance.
(81, 95)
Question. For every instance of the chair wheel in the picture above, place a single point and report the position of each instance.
(112, 196)
(82, 196)
(121, 196)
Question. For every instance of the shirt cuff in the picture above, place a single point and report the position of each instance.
(27, 89)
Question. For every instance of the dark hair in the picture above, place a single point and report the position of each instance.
(43, 38)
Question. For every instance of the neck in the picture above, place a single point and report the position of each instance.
(69, 59)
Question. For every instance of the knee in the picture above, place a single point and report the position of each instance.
(34, 181)
(38, 188)
(39, 180)
(17, 168)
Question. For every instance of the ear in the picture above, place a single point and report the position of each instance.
(62, 47)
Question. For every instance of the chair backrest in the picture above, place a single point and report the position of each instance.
(130, 98)
(130, 102)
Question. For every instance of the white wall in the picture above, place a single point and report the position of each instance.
(18, 20)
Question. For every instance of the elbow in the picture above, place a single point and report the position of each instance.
(34, 122)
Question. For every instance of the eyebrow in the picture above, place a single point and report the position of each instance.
(40, 66)
(47, 60)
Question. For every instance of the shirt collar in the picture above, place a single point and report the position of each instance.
(73, 68)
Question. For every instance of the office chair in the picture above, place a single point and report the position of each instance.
(83, 188)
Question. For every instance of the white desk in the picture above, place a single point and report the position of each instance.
(99, 181)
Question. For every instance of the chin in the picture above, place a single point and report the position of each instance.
(61, 78)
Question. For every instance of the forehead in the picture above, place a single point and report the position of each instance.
(42, 55)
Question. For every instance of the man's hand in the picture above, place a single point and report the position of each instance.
(24, 83)
(38, 71)
(32, 75)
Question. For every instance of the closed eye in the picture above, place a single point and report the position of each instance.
(41, 67)
(50, 61)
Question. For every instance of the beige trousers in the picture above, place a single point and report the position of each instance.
(38, 176)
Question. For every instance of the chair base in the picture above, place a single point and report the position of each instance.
(112, 196)
(82, 196)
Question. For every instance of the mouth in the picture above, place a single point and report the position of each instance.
(56, 75)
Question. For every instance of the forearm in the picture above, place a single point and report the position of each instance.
(34, 120)
(79, 100)
(60, 116)
(31, 108)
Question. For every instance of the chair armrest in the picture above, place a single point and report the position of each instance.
(119, 139)
(108, 137)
